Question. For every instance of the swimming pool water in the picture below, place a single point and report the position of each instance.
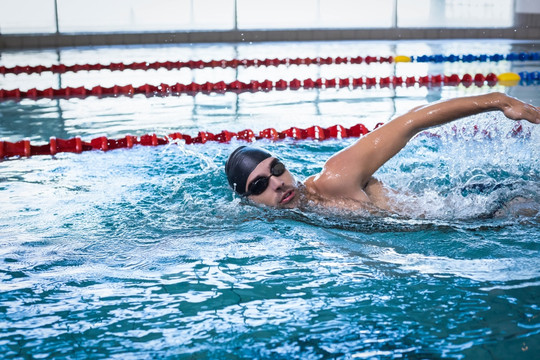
(145, 253)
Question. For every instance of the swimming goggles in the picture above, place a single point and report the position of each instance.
(259, 185)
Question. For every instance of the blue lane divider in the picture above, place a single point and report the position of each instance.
(529, 76)
(522, 56)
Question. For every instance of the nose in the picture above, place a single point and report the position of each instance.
(276, 183)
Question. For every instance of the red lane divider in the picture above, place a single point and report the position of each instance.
(23, 148)
(192, 64)
(76, 145)
(253, 86)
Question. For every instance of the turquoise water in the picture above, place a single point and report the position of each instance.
(145, 253)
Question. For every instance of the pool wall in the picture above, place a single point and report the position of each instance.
(528, 30)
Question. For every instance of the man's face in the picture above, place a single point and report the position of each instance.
(281, 192)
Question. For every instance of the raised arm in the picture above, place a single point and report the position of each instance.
(354, 166)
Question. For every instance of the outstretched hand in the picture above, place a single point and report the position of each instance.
(518, 110)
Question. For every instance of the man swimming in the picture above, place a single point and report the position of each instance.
(346, 180)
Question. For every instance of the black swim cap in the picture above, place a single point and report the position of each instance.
(241, 163)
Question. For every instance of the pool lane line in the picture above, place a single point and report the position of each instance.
(162, 90)
(235, 63)
(24, 148)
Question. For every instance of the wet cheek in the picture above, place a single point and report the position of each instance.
(270, 201)
(265, 198)
(290, 179)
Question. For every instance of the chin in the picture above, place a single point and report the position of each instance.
(289, 206)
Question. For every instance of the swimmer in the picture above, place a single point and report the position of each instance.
(346, 180)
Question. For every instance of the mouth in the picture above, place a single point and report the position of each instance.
(287, 197)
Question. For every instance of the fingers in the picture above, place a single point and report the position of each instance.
(516, 109)
(533, 113)
(523, 111)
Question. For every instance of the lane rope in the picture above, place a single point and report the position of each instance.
(235, 63)
(76, 145)
(507, 79)
(24, 148)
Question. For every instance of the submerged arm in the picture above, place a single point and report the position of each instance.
(356, 164)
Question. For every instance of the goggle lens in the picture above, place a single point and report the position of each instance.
(259, 185)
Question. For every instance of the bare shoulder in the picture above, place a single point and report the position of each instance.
(311, 185)
(330, 184)
(318, 184)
